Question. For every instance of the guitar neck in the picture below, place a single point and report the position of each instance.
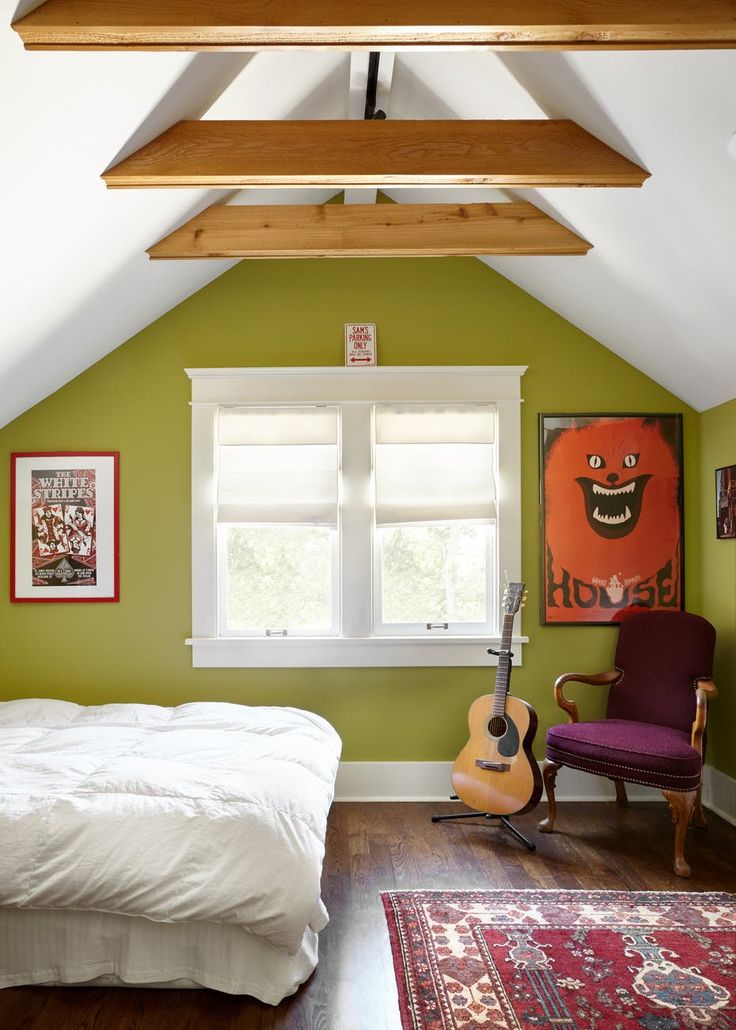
(503, 669)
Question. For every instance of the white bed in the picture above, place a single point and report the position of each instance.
(148, 845)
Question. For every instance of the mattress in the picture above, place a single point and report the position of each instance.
(205, 815)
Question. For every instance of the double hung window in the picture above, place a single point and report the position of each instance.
(356, 517)
(434, 544)
(277, 521)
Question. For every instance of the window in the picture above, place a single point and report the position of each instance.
(434, 553)
(277, 521)
(352, 517)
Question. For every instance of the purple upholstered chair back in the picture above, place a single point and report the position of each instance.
(661, 655)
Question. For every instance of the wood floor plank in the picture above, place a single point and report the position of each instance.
(368, 230)
(239, 154)
(353, 24)
(375, 847)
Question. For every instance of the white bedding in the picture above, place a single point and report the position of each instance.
(56, 947)
(205, 812)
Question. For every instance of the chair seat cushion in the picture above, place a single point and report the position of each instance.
(638, 752)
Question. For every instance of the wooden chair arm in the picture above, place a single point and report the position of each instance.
(599, 679)
(705, 690)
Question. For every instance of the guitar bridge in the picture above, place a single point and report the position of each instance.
(494, 766)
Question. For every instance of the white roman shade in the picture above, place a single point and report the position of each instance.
(278, 465)
(434, 464)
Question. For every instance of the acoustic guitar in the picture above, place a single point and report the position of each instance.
(496, 771)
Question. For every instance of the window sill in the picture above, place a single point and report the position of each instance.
(344, 652)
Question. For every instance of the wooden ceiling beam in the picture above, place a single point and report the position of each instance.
(235, 154)
(368, 230)
(373, 24)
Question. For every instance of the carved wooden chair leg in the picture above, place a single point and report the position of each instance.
(682, 804)
(549, 775)
(699, 819)
(621, 797)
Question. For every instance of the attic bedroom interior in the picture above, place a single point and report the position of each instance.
(368, 519)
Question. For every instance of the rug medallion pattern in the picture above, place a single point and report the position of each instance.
(564, 960)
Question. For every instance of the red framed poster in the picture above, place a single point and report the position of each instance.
(612, 522)
(64, 526)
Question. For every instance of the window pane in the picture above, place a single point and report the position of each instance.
(434, 573)
(278, 577)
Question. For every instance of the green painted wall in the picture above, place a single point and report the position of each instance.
(428, 311)
(718, 581)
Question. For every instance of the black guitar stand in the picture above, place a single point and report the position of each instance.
(503, 819)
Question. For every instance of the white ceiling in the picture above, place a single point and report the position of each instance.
(659, 288)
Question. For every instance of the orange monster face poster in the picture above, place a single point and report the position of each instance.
(612, 526)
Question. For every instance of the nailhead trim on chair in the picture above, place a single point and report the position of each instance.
(626, 768)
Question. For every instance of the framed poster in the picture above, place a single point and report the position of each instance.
(64, 526)
(726, 502)
(612, 524)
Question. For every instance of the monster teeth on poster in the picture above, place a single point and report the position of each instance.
(612, 515)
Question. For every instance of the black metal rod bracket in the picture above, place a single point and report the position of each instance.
(371, 89)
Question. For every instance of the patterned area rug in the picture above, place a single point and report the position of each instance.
(573, 960)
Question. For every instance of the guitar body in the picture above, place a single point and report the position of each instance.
(504, 741)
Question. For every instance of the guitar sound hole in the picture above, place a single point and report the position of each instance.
(497, 726)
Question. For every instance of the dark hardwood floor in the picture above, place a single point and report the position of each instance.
(374, 847)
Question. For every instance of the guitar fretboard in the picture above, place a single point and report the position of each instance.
(503, 670)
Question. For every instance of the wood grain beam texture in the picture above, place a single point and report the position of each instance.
(373, 24)
(368, 230)
(235, 154)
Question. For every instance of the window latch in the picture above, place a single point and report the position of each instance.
(276, 632)
(437, 625)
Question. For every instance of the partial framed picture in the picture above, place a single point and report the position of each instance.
(726, 502)
(64, 526)
(612, 522)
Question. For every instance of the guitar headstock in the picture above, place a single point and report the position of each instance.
(514, 597)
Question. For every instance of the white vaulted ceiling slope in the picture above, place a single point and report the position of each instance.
(659, 288)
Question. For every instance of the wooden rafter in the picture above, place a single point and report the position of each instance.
(232, 154)
(373, 24)
(368, 230)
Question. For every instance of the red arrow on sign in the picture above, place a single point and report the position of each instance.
(365, 360)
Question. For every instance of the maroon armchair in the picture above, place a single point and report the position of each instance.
(654, 729)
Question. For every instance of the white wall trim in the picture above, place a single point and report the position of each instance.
(430, 781)
(719, 793)
(359, 374)
(346, 652)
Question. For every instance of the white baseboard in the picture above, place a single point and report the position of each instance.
(430, 781)
(719, 793)
(393, 781)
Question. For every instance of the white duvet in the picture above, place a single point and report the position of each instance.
(213, 812)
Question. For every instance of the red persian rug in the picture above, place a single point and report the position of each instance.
(567, 960)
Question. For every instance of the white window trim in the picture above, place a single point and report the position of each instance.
(213, 387)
